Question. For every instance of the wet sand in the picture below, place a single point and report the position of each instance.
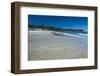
(45, 45)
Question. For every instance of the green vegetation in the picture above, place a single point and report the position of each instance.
(50, 28)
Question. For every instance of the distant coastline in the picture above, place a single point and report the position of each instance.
(51, 28)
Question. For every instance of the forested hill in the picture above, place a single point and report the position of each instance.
(44, 27)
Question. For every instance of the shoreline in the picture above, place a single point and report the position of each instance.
(44, 45)
(61, 33)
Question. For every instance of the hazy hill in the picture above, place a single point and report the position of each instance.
(44, 27)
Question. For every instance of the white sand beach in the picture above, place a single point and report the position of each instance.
(47, 45)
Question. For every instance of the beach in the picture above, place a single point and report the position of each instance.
(48, 45)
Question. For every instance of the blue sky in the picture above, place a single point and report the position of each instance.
(66, 22)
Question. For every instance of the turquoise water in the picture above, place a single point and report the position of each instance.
(76, 34)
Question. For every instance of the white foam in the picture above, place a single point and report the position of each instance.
(83, 34)
(79, 36)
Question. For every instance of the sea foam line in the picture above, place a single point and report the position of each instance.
(79, 36)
